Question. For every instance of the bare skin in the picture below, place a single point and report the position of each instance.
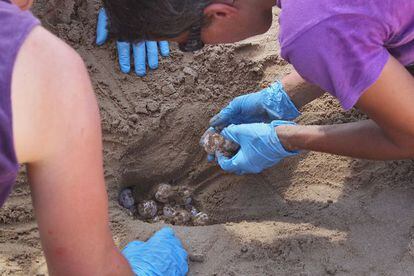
(390, 133)
(232, 21)
(300, 91)
(57, 134)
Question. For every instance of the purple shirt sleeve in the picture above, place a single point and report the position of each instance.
(343, 54)
(15, 26)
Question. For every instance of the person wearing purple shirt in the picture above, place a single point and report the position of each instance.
(359, 51)
(49, 121)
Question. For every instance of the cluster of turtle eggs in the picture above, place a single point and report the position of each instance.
(167, 204)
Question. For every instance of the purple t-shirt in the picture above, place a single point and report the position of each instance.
(15, 25)
(342, 46)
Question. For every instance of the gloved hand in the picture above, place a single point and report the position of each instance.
(161, 255)
(270, 104)
(260, 147)
(140, 50)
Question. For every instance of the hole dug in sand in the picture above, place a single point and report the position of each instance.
(164, 203)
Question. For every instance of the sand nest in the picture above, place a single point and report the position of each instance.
(315, 214)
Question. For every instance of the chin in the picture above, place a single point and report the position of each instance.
(214, 39)
(264, 28)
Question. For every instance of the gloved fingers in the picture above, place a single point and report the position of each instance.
(132, 247)
(164, 48)
(124, 56)
(218, 121)
(224, 118)
(227, 164)
(166, 232)
(162, 254)
(102, 27)
(165, 236)
(228, 115)
(182, 262)
(238, 164)
(152, 53)
(231, 133)
(140, 58)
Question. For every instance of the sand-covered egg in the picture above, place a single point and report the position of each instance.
(212, 142)
(126, 199)
(147, 209)
(200, 219)
(182, 217)
(169, 211)
(163, 192)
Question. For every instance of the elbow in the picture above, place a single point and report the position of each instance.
(405, 146)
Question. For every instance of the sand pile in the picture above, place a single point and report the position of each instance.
(314, 214)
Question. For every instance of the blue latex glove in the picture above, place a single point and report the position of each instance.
(260, 147)
(142, 52)
(161, 255)
(265, 106)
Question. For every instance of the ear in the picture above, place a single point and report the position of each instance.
(220, 11)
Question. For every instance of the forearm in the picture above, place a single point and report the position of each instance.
(300, 91)
(364, 139)
(57, 133)
(116, 264)
(390, 133)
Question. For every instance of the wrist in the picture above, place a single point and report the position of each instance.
(278, 103)
(286, 135)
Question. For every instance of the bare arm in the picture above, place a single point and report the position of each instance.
(390, 133)
(300, 91)
(57, 133)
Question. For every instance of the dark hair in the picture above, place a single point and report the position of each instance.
(138, 20)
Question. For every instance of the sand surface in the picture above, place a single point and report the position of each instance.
(315, 214)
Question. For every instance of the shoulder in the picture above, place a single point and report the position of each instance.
(47, 57)
(339, 48)
(330, 17)
(50, 91)
(47, 66)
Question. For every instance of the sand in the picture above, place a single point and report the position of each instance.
(314, 214)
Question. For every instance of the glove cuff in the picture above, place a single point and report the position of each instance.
(275, 139)
(278, 103)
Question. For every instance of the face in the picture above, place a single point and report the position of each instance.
(236, 23)
(233, 21)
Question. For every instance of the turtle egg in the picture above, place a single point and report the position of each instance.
(182, 217)
(126, 199)
(200, 219)
(193, 211)
(168, 211)
(147, 209)
(163, 192)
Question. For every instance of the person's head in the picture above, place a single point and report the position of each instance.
(221, 21)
